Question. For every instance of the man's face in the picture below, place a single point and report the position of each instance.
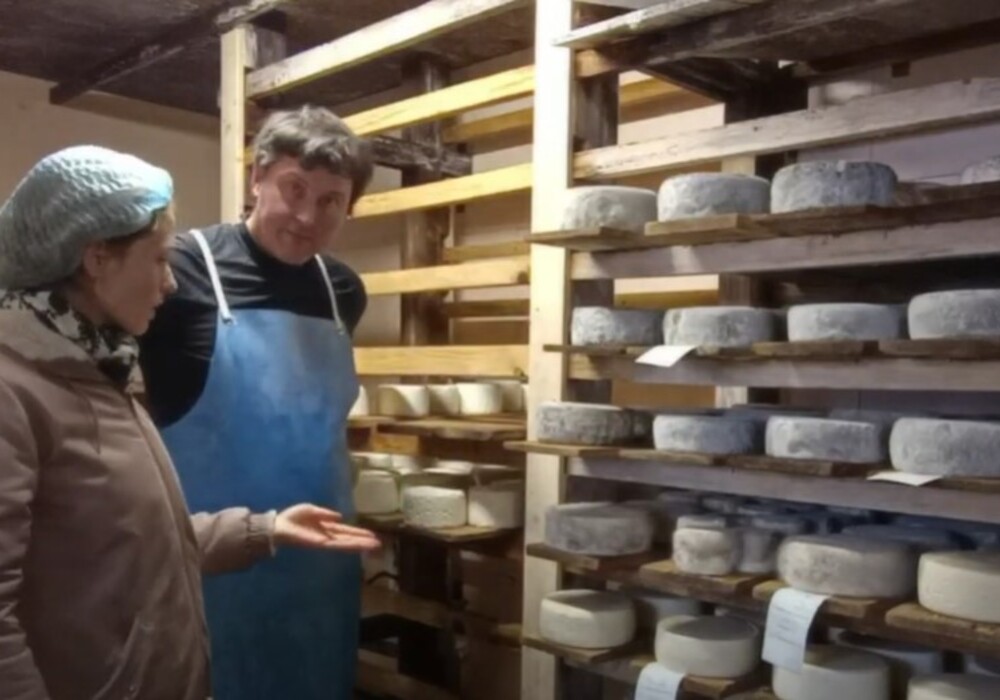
(298, 212)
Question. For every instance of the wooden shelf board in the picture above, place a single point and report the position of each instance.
(443, 360)
(588, 239)
(804, 467)
(487, 428)
(598, 350)
(663, 575)
(560, 450)
(712, 688)
(943, 348)
(498, 272)
(957, 633)
(586, 656)
(588, 563)
(851, 608)
(393, 523)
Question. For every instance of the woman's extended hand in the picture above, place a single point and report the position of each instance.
(306, 525)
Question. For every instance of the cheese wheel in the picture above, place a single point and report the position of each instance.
(598, 529)
(444, 399)
(709, 194)
(375, 460)
(498, 505)
(403, 400)
(826, 184)
(833, 673)
(718, 326)
(953, 686)
(407, 464)
(855, 442)
(954, 448)
(961, 584)
(983, 171)
(663, 514)
(587, 619)
(848, 566)
(759, 551)
(651, 607)
(584, 424)
(967, 313)
(709, 646)
(376, 493)
(707, 434)
(707, 551)
(361, 406)
(434, 507)
(905, 660)
(820, 322)
(597, 325)
(478, 399)
(512, 395)
(623, 208)
(923, 538)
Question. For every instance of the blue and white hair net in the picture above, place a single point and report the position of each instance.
(69, 199)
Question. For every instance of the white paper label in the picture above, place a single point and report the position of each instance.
(904, 478)
(658, 682)
(789, 617)
(665, 355)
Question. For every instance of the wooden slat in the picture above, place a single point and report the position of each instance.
(374, 41)
(586, 656)
(490, 273)
(458, 428)
(664, 576)
(443, 360)
(486, 309)
(466, 253)
(943, 348)
(232, 124)
(862, 609)
(956, 633)
(502, 332)
(467, 449)
(582, 562)
(668, 300)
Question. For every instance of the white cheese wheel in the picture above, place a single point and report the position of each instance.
(361, 406)
(583, 423)
(946, 447)
(434, 507)
(612, 206)
(925, 539)
(961, 584)
(376, 493)
(499, 505)
(479, 399)
(587, 619)
(783, 524)
(833, 673)
(954, 686)
(403, 400)
(709, 646)
(708, 434)
(905, 660)
(664, 517)
(598, 529)
(407, 464)
(855, 442)
(651, 607)
(815, 322)
(826, 184)
(708, 194)
(444, 399)
(759, 551)
(719, 326)
(984, 171)
(707, 551)
(512, 395)
(459, 467)
(848, 566)
(598, 325)
(967, 313)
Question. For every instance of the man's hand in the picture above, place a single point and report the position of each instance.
(310, 526)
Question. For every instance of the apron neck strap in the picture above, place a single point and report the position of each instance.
(329, 290)
(213, 273)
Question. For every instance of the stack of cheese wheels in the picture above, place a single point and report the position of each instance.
(512, 395)
(822, 322)
(434, 507)
(651, 607)
(709, 194)
(584, 423)
(444, 399)
(376, 493)
(609, 206)
(722, 435)
(965, 313)
(905, 660)
(984, 171)
(834, 673)
(598, 325)
(949, 448)
(961, 584)
(953, 686)
(479, 399)
(824, 184)
(718, 326)
(497, 505)
(587, 619)
(598, 529)
(403, 400)
(851, 441)
(361, 406)
(709, 646)
(848, 566)
(706, 545)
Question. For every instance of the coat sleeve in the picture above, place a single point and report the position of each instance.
(19, 676)
(233, 539)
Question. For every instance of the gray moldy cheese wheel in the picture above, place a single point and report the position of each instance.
(848, 566)
(825, 184)
(707, 551)
(584, 424)
(964, 313)
(822, 322)
(719, 326)
(985, 171)
(707, 194)
(947, 448)
(854, 442)
(708, 434)
(598, 325)
(624, 208)
(598, 529)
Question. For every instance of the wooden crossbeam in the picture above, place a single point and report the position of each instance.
(488, 273)
(450, 360)
(401, 154)
(493, 308)
(184, 36)
(374, 41)
(502, 332)
(465, 253)
(719, 79)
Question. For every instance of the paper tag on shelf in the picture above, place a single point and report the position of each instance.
(665, 355)
(904, 478)
(789, 617)
(657, 682)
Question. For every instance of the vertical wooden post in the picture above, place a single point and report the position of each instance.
(232, 136)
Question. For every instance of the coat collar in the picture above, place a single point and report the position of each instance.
(22, 334)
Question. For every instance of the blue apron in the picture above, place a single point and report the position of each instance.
(268, 432)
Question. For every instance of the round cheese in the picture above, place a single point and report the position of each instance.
(459, 467)
(434, 507)
(905, 660)
(587, 619)
(444, 399)
(759, 551)
(361, 406)
(709, 646)
(707, 434)
(664, 517)
(816, 322)
(597, 325)
(856, 442)
(708, 194)
(783, 524)
(925, 539)
(848, 566)
(707, 551)
(833, 673)
(407, 464)
(961, 584)
(651, 607)
(967, 313)
(623, 208)
(718, 326)
(403, 400)
(582, 423)
(478, 399)
(374, 460)
(954, 686)
(946, 447)
(598, 529)
(512, 395)
(499, 505)
(984, 171)
(825, 184)
(376, 493)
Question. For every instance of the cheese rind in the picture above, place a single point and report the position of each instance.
(587, 619)
(582, 423)
(403, 400)
(499, 505)
(905, 660)
(855, 442)
(848, 566)
(512, 395)
(623, 208)
(708, 434)
(434, 507)
(826, 184)
(821, 322)
(718, 326)
(709, 194)
(833, 673)
(598, 325)
(961, 584)
(954, 686)
(707, 551)
(444, 399)
(708, 646)
(479, 399)
(376, 493)
(966, 313)
(946, 447)
(598, 529)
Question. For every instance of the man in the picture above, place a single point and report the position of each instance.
(250, 374)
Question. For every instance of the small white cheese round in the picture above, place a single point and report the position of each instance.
(587, 619)
(376, 493)
(444, 399)
(499, 505)
(707, 551)
(403, 400)
(708, 646)
(479, 399)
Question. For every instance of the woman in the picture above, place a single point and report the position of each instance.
(100, 592)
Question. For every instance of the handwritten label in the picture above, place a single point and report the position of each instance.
(657, 682)
(789, 617)
(904, 478)
(665, 355)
